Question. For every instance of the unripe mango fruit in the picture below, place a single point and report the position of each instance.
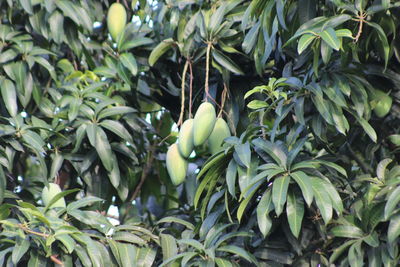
(116, 20)
(203, 123)
(49, 193)
(176, 165)
(185, 139)
(219, 133)
(384, 104)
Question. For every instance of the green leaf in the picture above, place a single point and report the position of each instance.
(33, 140)
(392, 202)
(59, 196)
(344, 33)
(20, 248)
(168, 246)
(135, 42)
(3, 185)
(104, 151)
(127, 237)
(381, 169)
(382, 37)
(56, 165)
(83, 256)
(36, 260)
(257, 104)
(394, 228)
(226, 62)
(263, 208)
(117, 128)
(7, 55)
(67, 241)
(112, 111)
(159, 50)
(129, 61)
(279, 191)
(339, 250)
(9, 94)
(329, 37)
(171, 219)
(235, 250)
(223, 262)
(367, 128)
(145, 257)
(322, 199)
(244, 153)
(294, 212)
(304, 42)
(347, 231)
(231, 174)
(126, 252)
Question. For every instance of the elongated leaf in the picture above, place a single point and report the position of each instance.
(33, 140)
(129, 61)
(117, 128)
(145, 257)
(381, 169)
(235, 250)
(329, 37)
(103, 149)
(394, 228)
(294, 212)
(304, 42)
(231, 174)
(170, 219)
(59, 196)
(21, 247)
(112, 111)
(392, 202)
(3, 185)
(126, 253)
(244, 153)
(168, 246)
(9, 94)
(83, 202)
(304, 183)
(382, 37)
(347, 231)
(56, 165)
(159, 50)
(322, 199)
(36, 260)
(279, 192)
(367, 128)
(226, 62)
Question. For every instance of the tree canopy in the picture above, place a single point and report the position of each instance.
(97, 167)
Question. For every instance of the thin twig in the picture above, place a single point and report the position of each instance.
(185, 68)
(223, 98)
(361, 20)
(145, 173)
(55, 260)
(26, 229)
(190, 89)
(209, 45)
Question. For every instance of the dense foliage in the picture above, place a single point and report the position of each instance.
(309, 89)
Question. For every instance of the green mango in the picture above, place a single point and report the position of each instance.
(176, 165)
(220, 132)
(384, 104)
(185, 139)
(116, 20)
(203, 124)
(49, 193)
